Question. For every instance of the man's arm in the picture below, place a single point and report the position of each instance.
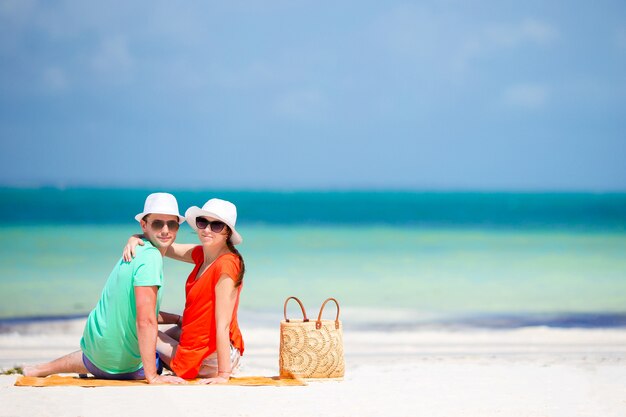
(147, 329)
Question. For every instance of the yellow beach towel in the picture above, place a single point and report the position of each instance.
(60, 380)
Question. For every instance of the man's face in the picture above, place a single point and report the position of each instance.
(160, 229)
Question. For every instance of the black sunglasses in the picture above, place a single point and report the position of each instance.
(157, 225)
(216, 225)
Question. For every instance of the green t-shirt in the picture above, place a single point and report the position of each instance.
(110, 337)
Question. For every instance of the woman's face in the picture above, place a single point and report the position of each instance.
(207, 235)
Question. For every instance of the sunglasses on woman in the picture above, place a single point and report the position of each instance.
(216, 225)
(157, 225)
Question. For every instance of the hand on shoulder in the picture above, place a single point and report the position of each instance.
(129, 250)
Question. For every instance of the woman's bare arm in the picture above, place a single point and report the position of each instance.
(178, 251)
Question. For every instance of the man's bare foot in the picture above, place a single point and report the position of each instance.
(31, 371)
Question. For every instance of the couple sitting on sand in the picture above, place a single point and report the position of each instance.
(121, 338)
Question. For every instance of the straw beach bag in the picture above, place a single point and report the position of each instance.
(311, 349)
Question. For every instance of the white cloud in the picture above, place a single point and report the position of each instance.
(496, 37)
(255, 74)
(408, 30)
(113, 58)
(538, 32)
(306, 104)
(530, 96)
(513, 35)
(54, 79)
(447, 40)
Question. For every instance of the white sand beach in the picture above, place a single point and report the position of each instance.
(522, 372)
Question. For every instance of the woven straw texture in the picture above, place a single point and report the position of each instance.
(306, 352)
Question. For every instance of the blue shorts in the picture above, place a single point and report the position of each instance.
(138, 374)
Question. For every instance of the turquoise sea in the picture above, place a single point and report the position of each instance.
(502, 259)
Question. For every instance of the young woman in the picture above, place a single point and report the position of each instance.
(206, 342)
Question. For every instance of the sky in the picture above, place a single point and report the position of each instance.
(428, 95)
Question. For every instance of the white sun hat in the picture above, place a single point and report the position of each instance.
(218, 209)
(160, 203)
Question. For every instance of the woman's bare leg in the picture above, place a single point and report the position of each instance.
(72, 362)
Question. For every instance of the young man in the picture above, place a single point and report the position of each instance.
(119, 340)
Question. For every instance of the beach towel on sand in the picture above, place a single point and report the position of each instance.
(69, 380)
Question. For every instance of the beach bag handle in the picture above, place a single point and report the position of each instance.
(305, 319)
(318, 323)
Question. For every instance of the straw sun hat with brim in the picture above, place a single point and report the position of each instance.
(218, 209)
(160, 203)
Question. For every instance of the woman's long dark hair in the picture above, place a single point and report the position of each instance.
(234, 250)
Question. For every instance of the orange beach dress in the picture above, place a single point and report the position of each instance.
(198, 337)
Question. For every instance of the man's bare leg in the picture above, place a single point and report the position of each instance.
(174, 332)
(166, 346)
(65, 364)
